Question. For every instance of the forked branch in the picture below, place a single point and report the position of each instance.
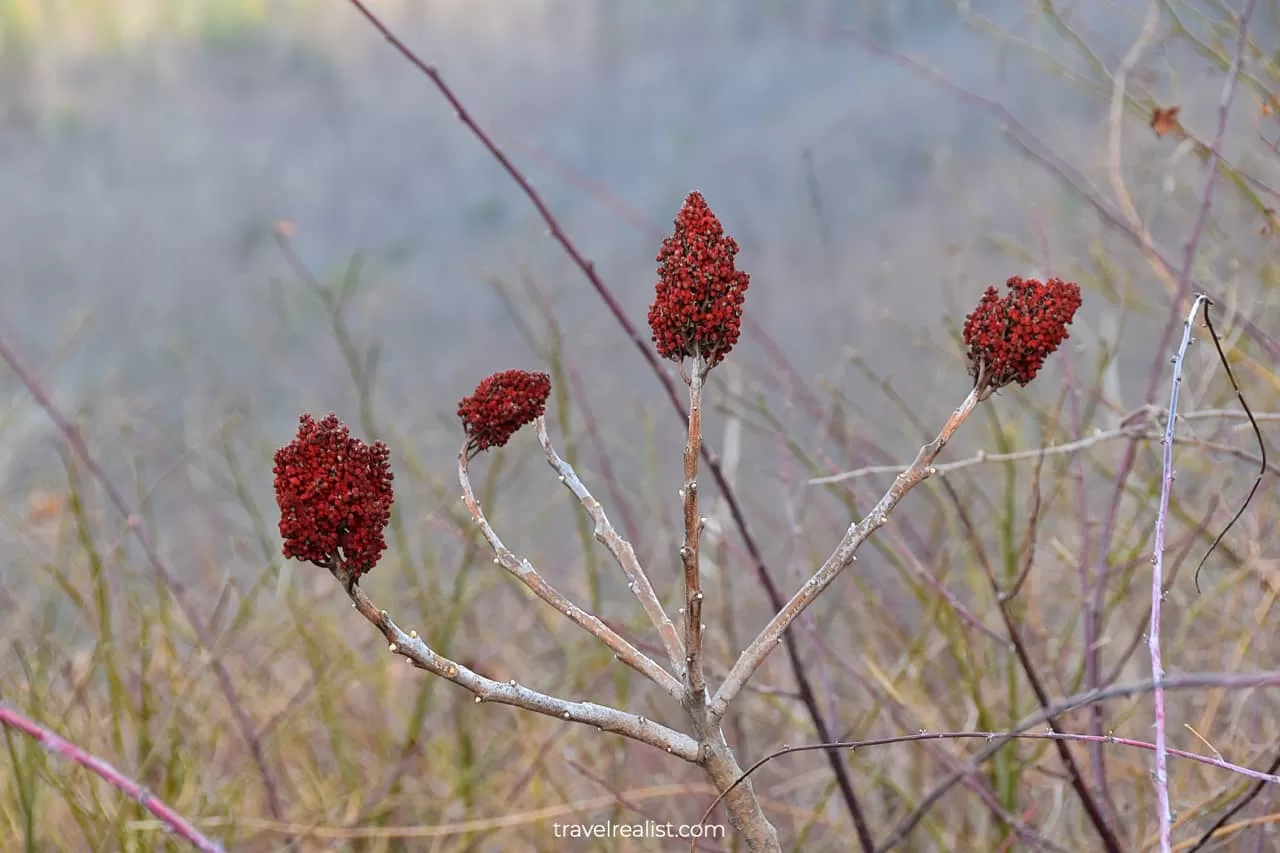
(524, 572)
(620, 548)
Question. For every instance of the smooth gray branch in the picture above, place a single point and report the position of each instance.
(419, 654)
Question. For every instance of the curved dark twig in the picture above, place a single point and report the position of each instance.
(1257, 433)
(1254, 790)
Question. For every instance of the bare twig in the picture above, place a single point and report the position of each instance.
(1119, 95)
(175, 822)
(729, 618)
(1254, 790)
(1008, 592)
(1224, 109)
(1188, 681)
(1144, 432)
(893, 704)
(620, 548)
(1197, 532)
(419, 654)
(982, 457)
(843, 555)
(927, 577)
(524, 572)
(1003, 602)
(1157, 587)
(175, 587)
(1157, 590)
(916, 737)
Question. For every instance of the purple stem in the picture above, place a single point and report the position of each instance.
(50, 741)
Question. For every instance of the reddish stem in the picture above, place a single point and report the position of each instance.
(52, 742)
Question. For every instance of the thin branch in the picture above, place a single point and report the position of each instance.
(1262, 778)
(175, 587)
(1119, 95)
(1197, 533)
(1184, 282)
(897, 708)
(695, 683)
(620, 548)
(1224, 109)
(524, 572)
(1157, 587)
(1178, 291)
(175, 822)
(1008, 593)
(1188, 681)
(1087, 798)
(419, 654)
(1254, 790)
(1144, 431)
(930, 580)
(555, 230)
(843, 555)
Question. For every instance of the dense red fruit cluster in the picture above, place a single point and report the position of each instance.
(334, 492)
(502, 404)
(698, 306)
(1012, 335)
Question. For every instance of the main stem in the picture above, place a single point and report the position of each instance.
(745, 814)
(695, 683)
(714, 754)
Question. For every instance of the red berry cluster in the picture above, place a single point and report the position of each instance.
(502, 404)
(1011, 336)
(334, 492)
(698, 307)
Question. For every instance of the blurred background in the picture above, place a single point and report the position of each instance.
(218, 214)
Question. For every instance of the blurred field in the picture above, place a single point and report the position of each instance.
(148, 153)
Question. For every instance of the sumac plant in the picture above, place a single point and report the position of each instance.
(335, 494)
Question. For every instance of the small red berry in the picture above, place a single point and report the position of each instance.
(1008, 338)
(334, 493)
(697, 308)
(502, 404)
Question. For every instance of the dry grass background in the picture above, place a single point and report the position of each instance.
(147, 149)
